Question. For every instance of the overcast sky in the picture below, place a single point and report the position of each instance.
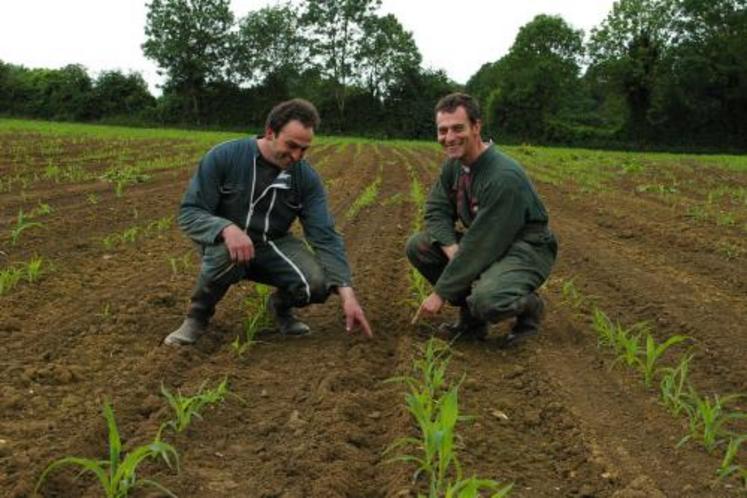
(455, 35)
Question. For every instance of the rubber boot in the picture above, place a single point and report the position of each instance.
(282, 313)
(201, 309)
(466, 327)
(531, 309)
(187, 334)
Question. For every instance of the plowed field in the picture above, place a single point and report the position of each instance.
(661, 239)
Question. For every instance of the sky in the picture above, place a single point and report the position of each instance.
(457, 36)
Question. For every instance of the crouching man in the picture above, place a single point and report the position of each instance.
(503, 251)
(239, 207)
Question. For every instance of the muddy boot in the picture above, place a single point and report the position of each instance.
(187, 334)
(466, 327)
(531, 310)
(282, 313)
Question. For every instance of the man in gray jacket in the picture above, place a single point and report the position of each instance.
(239, 207)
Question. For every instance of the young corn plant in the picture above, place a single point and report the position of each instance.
(433, 404)
(366, 198)
(258, 319)
(572, 295)
(121, 177)
(22, 224)
(728, 466)
(33, 269)
(187, 407)
(629, 347)
(117, 476)
(675, 386)
(708, 419)
(605, 329)
(652, 353)
(9, 278)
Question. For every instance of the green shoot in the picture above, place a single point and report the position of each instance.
(433, 404)
(653, 352)
(34, 269)
(187, 407)
(22, 224)
(708, 419)
(117, 475)
(605, 329)
(257, 319)
(366, 198)
(9, 278)
(675, 384)
(572, 295)
(629, 347)
(728, 467)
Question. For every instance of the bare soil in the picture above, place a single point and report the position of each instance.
(558, 416)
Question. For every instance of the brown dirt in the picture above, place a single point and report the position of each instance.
(315, 415)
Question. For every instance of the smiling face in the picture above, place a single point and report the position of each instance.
(459, 137)
(288, 145)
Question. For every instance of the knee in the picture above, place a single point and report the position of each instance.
(416, 247)
(318, 287)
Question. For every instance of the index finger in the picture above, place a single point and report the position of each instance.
(365, 326)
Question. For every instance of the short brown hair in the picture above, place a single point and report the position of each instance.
(451, 102)
(295, 109)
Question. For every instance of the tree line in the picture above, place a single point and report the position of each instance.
(654, 72)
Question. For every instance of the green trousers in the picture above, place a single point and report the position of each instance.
(286, 263)
(498, 291)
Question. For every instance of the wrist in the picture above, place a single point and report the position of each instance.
(346, 293)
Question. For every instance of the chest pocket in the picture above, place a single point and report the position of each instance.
(232, 198)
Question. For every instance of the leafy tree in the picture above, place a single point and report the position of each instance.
(118, 94)
(701, 95)
(191, 41)
(385, 54)
(270, 42)
(66, 93)
(627, 52)
(536, 81)
(409, 108)
(335, 30)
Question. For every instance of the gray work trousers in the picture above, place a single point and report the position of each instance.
(286, 263)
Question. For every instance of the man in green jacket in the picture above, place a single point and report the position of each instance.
(491, 265)
(239, 207)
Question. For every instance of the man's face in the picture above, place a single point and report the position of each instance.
(289, 145)
(457, 135)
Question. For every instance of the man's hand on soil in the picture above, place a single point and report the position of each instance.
(430, 306)
(238, 243)
(353, 312)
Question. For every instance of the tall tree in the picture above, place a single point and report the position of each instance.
(702, 94)
(270, 42)
(627, 51)
(190, 40)
(536, 80)
(386, 53)
(336, 28)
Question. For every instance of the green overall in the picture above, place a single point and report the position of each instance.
(506, 249)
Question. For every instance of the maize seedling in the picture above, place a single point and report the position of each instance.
(675, 385)
(653, 352)
(187, 407)
(708, 419)
(117, 475)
